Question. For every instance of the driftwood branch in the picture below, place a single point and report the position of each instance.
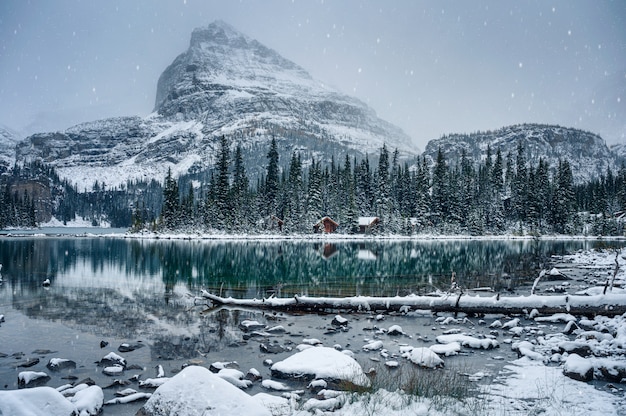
(615, 271)
(607, 304)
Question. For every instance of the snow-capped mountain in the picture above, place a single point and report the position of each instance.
(586, 152)
(225, 84)
(8, 141)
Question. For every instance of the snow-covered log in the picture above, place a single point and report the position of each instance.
(608, 304)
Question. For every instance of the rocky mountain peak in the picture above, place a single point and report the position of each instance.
(223, 61)
(224, 84)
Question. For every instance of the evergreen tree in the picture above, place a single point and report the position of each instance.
(497, 188)
(422, 195)
(466, 191)
(187, 207)
(293, 209)
(170, 214)
(222, 187)
(240, 195)
(363, 185)
(314, 195)
(383, 205)
(520, 186)
(563, 200)
(272, 181)
(439, 193)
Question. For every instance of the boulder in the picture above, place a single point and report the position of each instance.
(126, 347)
(88, 401)
(57, 364)
(321, 363)
(578, 368)
(339, 320)
(27, 379)
(197, 391)
(425, 357)
(37, 401)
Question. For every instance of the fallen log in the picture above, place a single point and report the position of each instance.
(608, 305)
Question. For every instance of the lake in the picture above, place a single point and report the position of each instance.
(142, 291)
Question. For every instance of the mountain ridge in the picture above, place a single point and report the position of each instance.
(228, 84)
(588, 154)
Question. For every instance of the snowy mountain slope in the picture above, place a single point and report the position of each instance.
(619, 150)
(586, 152)
(224, 84)
(8, 141)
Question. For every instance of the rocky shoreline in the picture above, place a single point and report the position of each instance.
(124, 373)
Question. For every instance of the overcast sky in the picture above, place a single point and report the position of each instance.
(430, 67)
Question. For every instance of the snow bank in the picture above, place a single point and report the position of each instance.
(529, 387)
(195, 390)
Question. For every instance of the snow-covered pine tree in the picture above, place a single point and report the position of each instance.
(314, 203)
(240, 194)
(439, 206)
(170, 218)
(272, 182)
(223, 210)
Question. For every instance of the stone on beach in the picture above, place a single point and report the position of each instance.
(195, 390)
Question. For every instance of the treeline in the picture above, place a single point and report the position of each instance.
(500, 194)
(32, 194)
(496, 195)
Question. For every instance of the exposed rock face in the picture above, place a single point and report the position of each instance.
(8, 141)
(586, 152)
(225, 84)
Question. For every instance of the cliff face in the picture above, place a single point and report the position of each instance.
(8, 141)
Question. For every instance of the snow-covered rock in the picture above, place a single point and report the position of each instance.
(373, 346)
(578, 368)
(195, 390)
(153, 383)
(32, 378)
(425, 357)
(275, 385)
(113, 359)
(525, 348)
(88, 401)
(321, 363)
(395, 330)
(57, 364)
(234, 377)
(37, 401)
(451, 348)
(468, 341)
(339, 320)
